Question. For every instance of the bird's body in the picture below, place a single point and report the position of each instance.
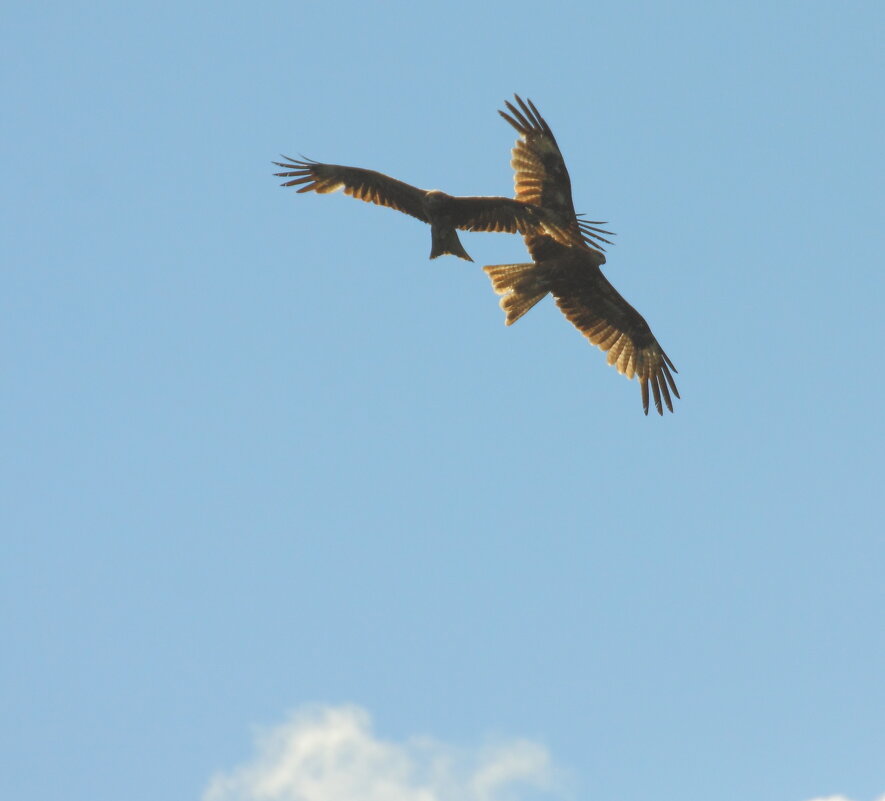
(444, 213)
(571, 272)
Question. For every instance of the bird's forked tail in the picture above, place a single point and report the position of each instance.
(521, 286)
(445, 240)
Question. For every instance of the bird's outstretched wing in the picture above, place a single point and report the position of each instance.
(505, 215)
(540, 174)
(602, 315)
(367, 185)
(482, 213)
(596, 309)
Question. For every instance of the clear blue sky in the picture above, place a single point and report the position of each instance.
(259, 453)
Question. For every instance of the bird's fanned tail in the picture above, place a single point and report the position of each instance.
(521, 286)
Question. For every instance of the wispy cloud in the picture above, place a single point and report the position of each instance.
(332, 754)
(839, 798)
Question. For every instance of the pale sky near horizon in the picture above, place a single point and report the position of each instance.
(267, 468)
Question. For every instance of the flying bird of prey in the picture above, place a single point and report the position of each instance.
(571, 272)
(443, 212)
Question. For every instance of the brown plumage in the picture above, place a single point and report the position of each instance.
(444, 213)
(571, 272)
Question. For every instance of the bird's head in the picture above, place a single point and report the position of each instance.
(435, 199)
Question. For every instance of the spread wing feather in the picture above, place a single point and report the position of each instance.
(602, 315)
(367, 185)
(490, 213)
(540, 174)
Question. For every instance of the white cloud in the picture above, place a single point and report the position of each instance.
(838, 798)
(331, 754)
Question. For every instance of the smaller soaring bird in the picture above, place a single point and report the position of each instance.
(443, 212)
(571, 273)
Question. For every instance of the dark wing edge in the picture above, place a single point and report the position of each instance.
(366, 185)
(590, 234)
(527, 119)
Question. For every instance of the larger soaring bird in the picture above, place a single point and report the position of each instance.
(443, 212)
(571, 272)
